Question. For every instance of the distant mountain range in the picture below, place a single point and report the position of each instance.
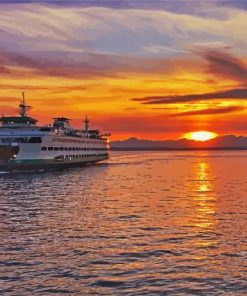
(224, 142)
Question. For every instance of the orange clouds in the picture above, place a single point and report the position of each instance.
(73, 61)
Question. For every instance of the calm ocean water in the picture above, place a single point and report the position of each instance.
(143, 223)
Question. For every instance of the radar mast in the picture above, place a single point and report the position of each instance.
(23, 107)
(86, 124)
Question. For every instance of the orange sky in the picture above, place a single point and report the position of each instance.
(154, 74)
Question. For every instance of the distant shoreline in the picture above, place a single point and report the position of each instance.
(175, 149)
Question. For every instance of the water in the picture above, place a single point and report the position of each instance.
(143, 223)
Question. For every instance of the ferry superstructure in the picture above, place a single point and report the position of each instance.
(25, 145)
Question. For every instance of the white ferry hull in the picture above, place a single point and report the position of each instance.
(52, 152)
(9, 164)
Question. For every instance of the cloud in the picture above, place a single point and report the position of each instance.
(71, 40)
(210, 111)
(202, 8)
(238, 93)
(86, 65)
(141, 123)
(220, 63)
(225, 65)
(235, 3)
(42, 27)
(3, 70)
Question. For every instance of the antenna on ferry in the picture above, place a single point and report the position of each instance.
(86, 124)
(23, 107)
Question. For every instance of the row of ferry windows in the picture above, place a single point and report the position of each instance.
(71, 149)
(80, 155)
(21, 139)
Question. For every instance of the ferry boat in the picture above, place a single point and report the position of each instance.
(24, 145)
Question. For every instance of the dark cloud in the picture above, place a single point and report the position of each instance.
(225, 65)
(239, 93)
(164, 108)
(210, 111)
(87, 65)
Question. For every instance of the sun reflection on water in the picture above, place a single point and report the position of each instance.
(205, 195)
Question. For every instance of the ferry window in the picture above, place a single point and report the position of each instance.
(66, 149)
(44, 148)
(61, 148)
(35, 140)
(70, 148)
(73, 148)
(50, 148)
(56, 148)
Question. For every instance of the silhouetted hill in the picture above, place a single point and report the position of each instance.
(224, 142)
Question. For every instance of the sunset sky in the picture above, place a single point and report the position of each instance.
(149, 69)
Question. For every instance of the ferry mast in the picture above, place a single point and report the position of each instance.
(86, 125)
(23, 107)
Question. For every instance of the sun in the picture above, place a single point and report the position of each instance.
(201, 136)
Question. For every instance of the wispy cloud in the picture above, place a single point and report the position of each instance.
(87, 65)
(202, 8)
(60, 40)
(224, 64)
(239, 93)
(221, 64)
(210, 111)
(42, 27)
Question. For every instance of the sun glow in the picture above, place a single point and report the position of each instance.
(200, 136)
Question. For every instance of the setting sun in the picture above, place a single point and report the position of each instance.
(200, 136)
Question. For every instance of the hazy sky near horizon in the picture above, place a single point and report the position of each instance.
(150, 69)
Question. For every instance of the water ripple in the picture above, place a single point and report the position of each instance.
(146, 223)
